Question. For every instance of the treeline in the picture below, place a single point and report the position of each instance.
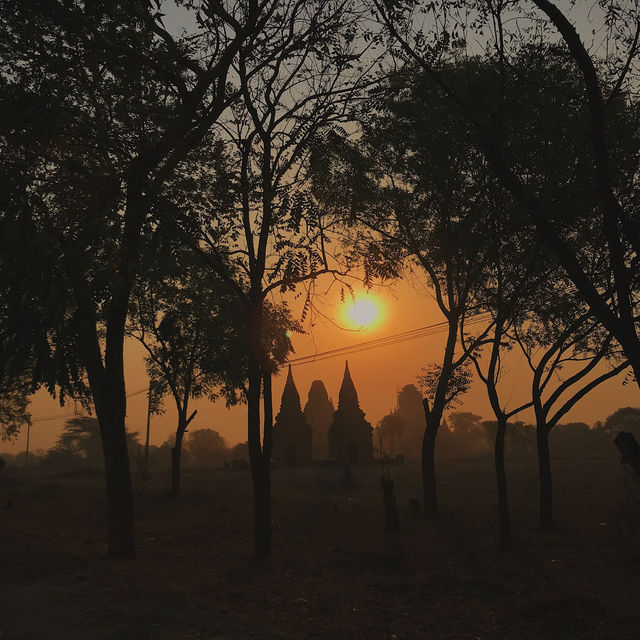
(79, 448)
(465, 434)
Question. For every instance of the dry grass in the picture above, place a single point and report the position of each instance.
(335, 572)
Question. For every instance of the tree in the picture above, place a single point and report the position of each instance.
(240, 452)
(13, 411)
(517, 131)
(80, 443)
(410, 409)
(491, 377)
(514, 272)
(468, 435)
(520, 437)
(569, 355)
(624, 419)
(207, 448)
(603, 103)
(24, 354)
(103, 114)
(275, 236)
(391, 427)
(465, 424)
(81, 437)
(413, 187)
(186, 320)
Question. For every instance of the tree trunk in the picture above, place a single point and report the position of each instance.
(260, 473)
(429, 465)
(259, 464)
(433, 417)
(501, 479)
(106, 381)
(176, 457)
(176, 450)
(544, 469)
(120, 519)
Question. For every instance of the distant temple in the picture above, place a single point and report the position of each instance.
(350, 435)
(292, 435)
(319, 412)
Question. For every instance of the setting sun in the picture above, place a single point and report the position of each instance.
(363, 311)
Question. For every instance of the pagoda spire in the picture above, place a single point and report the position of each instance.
(290, 396)
(348, 397)
(350, 435)
(292, 435)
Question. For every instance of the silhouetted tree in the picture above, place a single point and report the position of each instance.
(601, 105)
(411, 184)
(569, 354)
(186, 319)
(467, 432)
(514, 271)
(410, 409)
(207, 448)
(520, 437)
(577, 439)
(104, 104)
(391, 428)
(464, 424)
(275, 236)
(29, 307)
(80, 444)
(240, 452)
(13, 410)
(624, 419)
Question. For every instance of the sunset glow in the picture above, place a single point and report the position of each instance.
(362, 312)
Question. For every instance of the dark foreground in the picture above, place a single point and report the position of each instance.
(335, 572)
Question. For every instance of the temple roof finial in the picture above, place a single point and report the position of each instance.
(348, 395)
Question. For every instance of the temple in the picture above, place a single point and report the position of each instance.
(292, 435)
(319, 412)
(350, 435)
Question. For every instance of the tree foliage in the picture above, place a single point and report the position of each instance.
(14, 412)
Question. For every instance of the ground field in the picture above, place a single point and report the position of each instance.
(335, 572)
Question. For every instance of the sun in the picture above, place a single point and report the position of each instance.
(363, 311)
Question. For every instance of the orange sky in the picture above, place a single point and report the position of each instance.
(377, 373)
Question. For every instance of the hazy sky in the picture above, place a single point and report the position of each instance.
(377, 373)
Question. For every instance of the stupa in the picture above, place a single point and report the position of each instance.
(350, 435)
(319, 412)
(292, 435)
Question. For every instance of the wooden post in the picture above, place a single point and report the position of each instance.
(146, 442)
(392, 522)
(26, 453)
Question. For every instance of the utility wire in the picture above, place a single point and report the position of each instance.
(378, 343)
(61, 416)
(386, 341)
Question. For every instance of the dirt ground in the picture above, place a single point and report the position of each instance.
(335, 572)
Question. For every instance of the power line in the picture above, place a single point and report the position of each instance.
(386, 341)
(378, 343)
(62, 416)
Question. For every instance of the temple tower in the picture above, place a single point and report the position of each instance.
(292, 435)
(350, 435)
(319, 412)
